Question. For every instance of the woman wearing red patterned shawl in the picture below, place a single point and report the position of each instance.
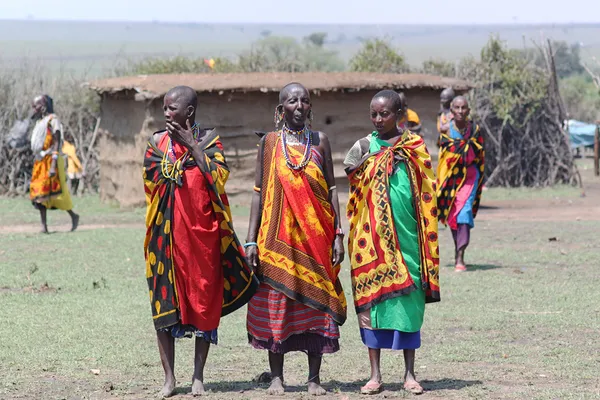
(393, 242)
(195, 266)
(460, 177)
(295, 243)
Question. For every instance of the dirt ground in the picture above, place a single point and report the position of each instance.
(581, 204)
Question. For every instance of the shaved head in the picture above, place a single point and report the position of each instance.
(458, 99)
(393, 97)
(285, 91)
(447, 95)
(185, 94)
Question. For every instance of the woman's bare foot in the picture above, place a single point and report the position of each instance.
(372, 387)
(315, 389)
(198, 388)
(169, 389)
(276, 388)
(411, 385)
(460, 268)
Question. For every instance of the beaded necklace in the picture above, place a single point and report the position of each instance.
(307, 143)
(173, 169)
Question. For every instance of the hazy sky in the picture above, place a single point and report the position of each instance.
(309, 11)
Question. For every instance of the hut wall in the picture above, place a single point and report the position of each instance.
(127, 125)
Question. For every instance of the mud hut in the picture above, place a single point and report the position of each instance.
(238, 105)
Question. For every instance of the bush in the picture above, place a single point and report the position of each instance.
(439, 67)
(581, 98)
(378, 55)
(518, 108)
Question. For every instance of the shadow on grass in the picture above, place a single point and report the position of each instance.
(242, 386)
(477, 267)
(488, 207)
(448, 384)
(428, 385)
(482, 267)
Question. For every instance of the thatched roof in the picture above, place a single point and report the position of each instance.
(153, 86)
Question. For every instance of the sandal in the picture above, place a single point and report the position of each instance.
(372, 388)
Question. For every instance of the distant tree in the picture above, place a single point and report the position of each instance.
(273, 53)
(265, 33)
(285, 54)
(581, 98)
(567, 58)
(316, 38)
(173, 65)
(439, 67)
(378, 55)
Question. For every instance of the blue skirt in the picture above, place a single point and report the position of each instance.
(390, 339)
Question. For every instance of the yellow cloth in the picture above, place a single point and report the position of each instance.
(410, 116)
(74, 168)
(49, 191)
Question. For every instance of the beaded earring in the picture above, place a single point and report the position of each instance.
(278, 116)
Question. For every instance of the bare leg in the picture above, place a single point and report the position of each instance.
(374, 385)
(43, 218)
(166, 348)
(74, 220)
(460, 254)
(463, 237)
(410, 380)
(202, 347)
(314, 380)
(276, 365)
(75, 187)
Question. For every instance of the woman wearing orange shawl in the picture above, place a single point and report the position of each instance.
(295, 243)
(393, 242)
(460, 177)
(48, 188)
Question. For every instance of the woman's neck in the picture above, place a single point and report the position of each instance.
(391, 134)
(294, 129)
(460, 124)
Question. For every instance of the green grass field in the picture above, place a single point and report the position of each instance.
(523, 323)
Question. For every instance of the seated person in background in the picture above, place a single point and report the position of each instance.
(410, 120)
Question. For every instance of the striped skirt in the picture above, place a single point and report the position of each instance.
(279, 324)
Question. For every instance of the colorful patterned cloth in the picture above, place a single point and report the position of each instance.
(297, 232)
(280, 325)
(231, 283)
(379, 271)
(444, 117)
(74, 167)
(46, 190)
(460, 169)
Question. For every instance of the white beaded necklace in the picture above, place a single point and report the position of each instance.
(305, 132)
